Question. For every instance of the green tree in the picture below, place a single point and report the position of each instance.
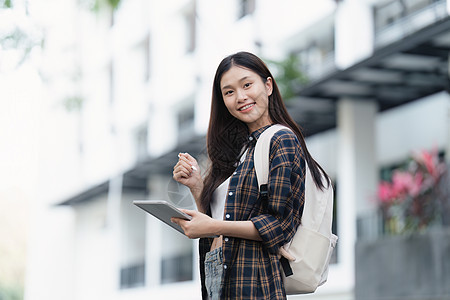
(289, 76)
(21, 38)
(100, 5)
(11, 293)
(6, 4)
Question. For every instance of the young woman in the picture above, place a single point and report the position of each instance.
(242, 261)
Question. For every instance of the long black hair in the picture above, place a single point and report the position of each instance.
(227, 135)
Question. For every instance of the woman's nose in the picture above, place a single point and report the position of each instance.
(241, 95)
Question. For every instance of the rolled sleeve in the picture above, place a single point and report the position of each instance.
(270, 231)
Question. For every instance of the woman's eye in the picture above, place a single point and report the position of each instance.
(227, 93)
(247, 85)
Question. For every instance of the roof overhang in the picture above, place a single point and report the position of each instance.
(136, 178)
(407, 70)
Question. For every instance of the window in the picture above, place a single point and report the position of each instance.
(177, 257)
(132, 276)
(176, 269)
(317, 56)
(132, 241)
(246, 7)
(141, 139)
(190, 22)
(186, 119)
(146, 47)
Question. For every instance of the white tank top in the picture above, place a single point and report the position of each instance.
(220, 196)
(218, 200)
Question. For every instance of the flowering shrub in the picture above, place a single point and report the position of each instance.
(411, 200)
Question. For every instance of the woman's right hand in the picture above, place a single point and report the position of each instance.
(187, 172)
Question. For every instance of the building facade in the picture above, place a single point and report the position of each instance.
(135, 84)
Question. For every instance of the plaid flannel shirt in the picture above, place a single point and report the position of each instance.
(251, 268)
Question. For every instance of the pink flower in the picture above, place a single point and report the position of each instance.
(401, 183)
(412, 192)
(416, 185)
(385, 192)
(430, 160)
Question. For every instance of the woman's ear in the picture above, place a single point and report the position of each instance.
(269, 86)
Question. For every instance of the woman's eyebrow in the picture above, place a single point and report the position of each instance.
(240, 80)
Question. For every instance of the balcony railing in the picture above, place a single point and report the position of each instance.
(315, 70)
(411, 16)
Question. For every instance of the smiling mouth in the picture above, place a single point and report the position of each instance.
(246, 107)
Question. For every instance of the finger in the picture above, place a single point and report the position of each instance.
(182, 169)
(187, 156)
(286, 254)
(184, 157)
(184, 161)
(177, 221)
(189, 212)
(181, 178)
(188, 159)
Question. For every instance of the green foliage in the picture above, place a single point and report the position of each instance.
(288, 75)
(113, 3)
(11, 293)
(99, 5)
(16, 39)
(20, 36)
(71, 104)
(6, 4)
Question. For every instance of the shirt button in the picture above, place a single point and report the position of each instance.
(225, 267)
(227, 216)
(250, 138)
(226, 239)
(234, 173)
(230, 193)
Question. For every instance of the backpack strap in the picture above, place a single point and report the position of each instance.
(261, 162)
(261, 155)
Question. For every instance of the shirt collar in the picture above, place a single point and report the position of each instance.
(253, 137)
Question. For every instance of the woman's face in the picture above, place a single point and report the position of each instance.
(246, 96)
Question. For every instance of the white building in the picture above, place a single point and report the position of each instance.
(144, 77)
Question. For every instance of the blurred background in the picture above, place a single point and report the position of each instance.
(99, 96)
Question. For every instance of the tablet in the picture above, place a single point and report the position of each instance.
(163, 210)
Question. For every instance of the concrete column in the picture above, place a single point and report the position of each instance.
(154, 238)
(356, 170)
(113, 220)
(447, 151)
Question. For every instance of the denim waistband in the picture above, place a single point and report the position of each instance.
(214, 255)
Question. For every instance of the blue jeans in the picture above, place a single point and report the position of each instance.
(214, 273)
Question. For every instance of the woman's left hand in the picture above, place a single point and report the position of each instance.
(199, 226)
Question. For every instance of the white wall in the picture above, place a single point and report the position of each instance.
(354, 32)
(413, 127)
(51, 248)
(95, 252)
(418, 126)
(132, 231)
